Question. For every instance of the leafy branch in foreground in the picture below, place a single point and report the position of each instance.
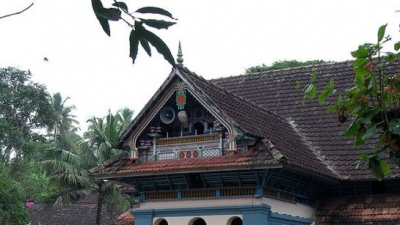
(372, 103)
(139, 33)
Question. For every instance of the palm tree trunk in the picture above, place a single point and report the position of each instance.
(100, 199)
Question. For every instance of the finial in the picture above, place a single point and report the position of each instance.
(180, 59)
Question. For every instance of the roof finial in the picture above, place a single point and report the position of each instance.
(180, 59)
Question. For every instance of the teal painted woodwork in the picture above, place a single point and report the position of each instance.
(252, 215)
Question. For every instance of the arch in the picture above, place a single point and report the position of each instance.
(197, 221)
(161, 221)
(198, 127)
(235, 221)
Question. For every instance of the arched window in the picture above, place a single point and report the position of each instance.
(235, 221)
(197, 221)
(161, 221)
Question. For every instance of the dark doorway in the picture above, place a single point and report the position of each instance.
(163, 222)
(199, 221)
(198, 128)
(237, 221)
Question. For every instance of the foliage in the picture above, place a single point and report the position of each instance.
(139, 33)
(70, 169)
(283, 64)
(64, 122)
(372, 103)
(24, 107)
(12, 209)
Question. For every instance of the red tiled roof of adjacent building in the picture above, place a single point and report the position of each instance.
(356, 210)
(276, 92)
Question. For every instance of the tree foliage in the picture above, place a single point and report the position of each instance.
(12, 209)
(70, 169)
(24, 107)
(372, 103)
(138, 22)
(283, 64)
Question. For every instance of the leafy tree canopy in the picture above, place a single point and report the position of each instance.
(24, 107)
(283, 64)
(372, 103)
(12, 209)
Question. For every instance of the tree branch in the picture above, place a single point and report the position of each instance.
(13, 14)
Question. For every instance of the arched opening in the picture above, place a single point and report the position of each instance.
(237, 221)
(161, 222)
(198, 221)
(198, 128)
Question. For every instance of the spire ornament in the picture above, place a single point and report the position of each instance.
(180, 59)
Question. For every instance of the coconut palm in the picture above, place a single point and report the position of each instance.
(70, 169)
(64, 121)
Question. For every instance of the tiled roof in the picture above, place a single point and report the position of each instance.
(125, 166)
(275, 91)
(124, 219)
(81, 213)
(356, 210)
(258, 121)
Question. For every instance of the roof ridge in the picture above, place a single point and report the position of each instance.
(283, 69)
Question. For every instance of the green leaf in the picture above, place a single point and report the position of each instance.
(384, 167)
(377, 172)
(311, 91)
(371, 131)
(328, 91)
(121, 5)
(397, 46)
(359, 78)
(145, 44)
(394, 126)
(361, 52)
(331, 109)
(109, 14)
(359, 139)
(155, 10)
(313, 76)
(133, 45)
(159, 24)
(156, 42)
(369, 115)
(363, 155)
(98, 6)
(381, 32)
(298, 84)
(352, 129)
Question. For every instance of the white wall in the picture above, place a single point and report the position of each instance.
(277, 206)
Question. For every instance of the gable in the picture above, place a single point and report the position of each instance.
(241, 123)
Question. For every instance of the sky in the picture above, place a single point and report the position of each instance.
(219, 38)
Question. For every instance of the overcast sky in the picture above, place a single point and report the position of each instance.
(219, 38)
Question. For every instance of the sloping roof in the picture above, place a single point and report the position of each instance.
(357, 210)
(81, 213)
(258, 121)
(275, 91)
(125, 166)
(246, 116)
(125, 218)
